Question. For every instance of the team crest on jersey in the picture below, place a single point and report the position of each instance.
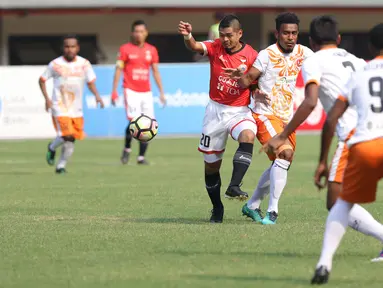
(148, 55)
(242, 67)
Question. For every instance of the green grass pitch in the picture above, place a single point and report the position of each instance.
(108, 225)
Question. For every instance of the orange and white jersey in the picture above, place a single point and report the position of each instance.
(331, 69)
(279, 72)
(68, 84)
(364, 90)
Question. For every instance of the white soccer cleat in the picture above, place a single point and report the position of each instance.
(379, 258)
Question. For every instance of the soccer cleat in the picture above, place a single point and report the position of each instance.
(270, 219)
(60, 171)
(217, 215)
(142, 162)
(125, 157)
(379, 258)
(321, 276)
(255, 214)
(50, 156)
(234, 192)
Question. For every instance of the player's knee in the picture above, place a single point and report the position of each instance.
(69, 138)
(246, 136)
(212, 167)
(286, 154)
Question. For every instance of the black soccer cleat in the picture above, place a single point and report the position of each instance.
(60, 171)
(234, 192)
(321, 276)
(217, 215)
(125, 157)
(142, 162)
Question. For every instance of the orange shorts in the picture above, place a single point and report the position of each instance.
(268, 127)
(67, 126)
(363, 172)
(339, 161)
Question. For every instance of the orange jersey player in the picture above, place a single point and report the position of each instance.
(276, 68)
(227, 112)
(135, 59)
(69, 73)
(364, 91)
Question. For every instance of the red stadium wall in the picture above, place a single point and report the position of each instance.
(316, 119)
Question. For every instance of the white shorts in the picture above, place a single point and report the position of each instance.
(220, 121)
(138, 103)
(338, 163)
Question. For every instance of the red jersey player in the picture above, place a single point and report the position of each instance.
(135, 60)
(227, 112)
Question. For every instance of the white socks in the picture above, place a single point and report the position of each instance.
(56, 143)
(336, 225)
(261, 190)
(66, 153)
(361, 220)
(278, 180)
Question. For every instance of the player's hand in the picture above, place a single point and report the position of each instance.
(273, 144)
(233, 73)
(320, 173)
(260, 96)
(184, 28)
(99, 101)
(48, 105)
(114, 98)
(163, 99)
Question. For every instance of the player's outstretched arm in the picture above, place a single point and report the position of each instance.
(157, 78)
(244, 80)
(304, 110)
(185, 30)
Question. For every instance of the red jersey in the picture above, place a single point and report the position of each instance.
(223, 89)
(137, 62)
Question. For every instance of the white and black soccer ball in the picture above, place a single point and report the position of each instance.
(143, 128)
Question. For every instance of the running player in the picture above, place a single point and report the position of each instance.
(364, 90)
(69, 73)
(227, 112)
(277, 68)
(135, 60)
(323, 75)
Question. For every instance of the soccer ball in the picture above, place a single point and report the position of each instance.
(143, 128)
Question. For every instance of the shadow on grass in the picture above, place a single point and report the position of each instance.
(276, 254)
(16, 173)
(293, 280)
(183, 221)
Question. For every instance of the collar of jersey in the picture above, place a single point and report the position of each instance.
(333, 46)
(232, 53)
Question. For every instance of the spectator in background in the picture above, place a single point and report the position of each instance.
(214, 29)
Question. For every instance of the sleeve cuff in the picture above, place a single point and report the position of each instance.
(204, 48)
(342, 98)
(311, 82)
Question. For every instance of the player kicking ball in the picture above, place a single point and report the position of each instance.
(276, 68)
(135, 60)
(324, 74)
(69, 73)
(227, 112)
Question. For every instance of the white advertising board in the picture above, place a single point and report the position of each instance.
(22, 106)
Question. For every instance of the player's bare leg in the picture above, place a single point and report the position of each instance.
(278, 180)
(359, 218)
(127, 149)
(51, 152)
(241, 162)
(66, 152)
(213, 187)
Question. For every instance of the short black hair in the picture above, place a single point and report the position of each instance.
(71, 36)
(376, 36)
(230, 20)
(219, 15)
(286, 18)
(324, 30)
(138, 23)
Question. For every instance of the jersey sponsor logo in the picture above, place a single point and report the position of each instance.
(133, 56)
(148, 55)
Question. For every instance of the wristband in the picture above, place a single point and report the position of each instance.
(188, 37)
